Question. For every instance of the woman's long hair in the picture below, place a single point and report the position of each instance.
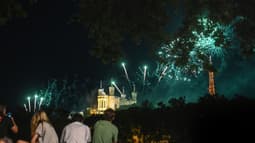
(37, 118)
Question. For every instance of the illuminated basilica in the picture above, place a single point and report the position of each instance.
(109, 100)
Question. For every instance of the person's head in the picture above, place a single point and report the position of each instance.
(2, 141)
(2, 110)
(109, 114)
(5, 140)
(42, 116)
(37, 118)
(77, 117)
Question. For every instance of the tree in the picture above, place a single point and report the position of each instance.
(161, 105)
(177, 103)
(109, 22)
(146, 104)
(10, 9)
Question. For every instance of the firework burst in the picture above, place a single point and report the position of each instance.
(187, 56)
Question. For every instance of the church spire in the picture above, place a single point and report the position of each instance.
(101, 84)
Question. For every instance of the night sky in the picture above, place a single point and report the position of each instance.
(46, 45)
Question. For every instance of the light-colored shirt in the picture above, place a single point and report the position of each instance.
(105, 132)
(46, 133)
(76, 132)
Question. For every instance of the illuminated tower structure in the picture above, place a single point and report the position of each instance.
(113, 101)
(123, 95)
(105, 101)
(102, 99)
(134, 94)
(211, 88)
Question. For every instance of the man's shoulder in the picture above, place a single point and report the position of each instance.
(87, 127)
(115, 127)
(106, 123)
(71, 124)
(99, 122)
(76, 124)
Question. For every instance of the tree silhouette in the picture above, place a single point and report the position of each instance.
(110, 22)
(177, 102)
(11, 9)
(161, 105)
(146, 104)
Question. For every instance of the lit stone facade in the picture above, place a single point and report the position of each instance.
(105, 101)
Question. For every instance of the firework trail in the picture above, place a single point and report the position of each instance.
(29, 105)
(163, 73)
(125, 70)
(25, 106)
(35, 102)
(114, 84)
(144, 74)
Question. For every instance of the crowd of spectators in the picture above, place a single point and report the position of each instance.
(43, 131)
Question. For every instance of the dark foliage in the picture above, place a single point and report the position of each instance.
(111, 21)
(10, 9)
